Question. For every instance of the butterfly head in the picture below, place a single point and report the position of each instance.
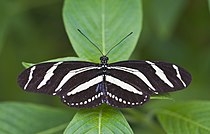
(104, 59)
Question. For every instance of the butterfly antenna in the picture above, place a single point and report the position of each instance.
(118, 43)
(90, 41)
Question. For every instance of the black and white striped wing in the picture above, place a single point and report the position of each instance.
(123, 95)
(135, 81)
(86, 95)
(69, 80)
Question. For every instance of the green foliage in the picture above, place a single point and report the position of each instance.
(209, 5)
(105, 22)
(2, 33)
(27, 65)
(165, 21)
(32, 30)
(161, 97)
(101, 120)
(25, 118)
(186, 118)
(7, 17)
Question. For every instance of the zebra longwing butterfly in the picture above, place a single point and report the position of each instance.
(122, 84)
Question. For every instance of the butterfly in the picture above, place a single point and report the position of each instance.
(123, 84)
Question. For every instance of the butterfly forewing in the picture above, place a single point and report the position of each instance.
(56, 78)
(151, 77)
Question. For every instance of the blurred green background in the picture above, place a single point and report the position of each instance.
(33, 31)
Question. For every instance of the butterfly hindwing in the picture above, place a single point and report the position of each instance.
(87, 95)
(123, 98)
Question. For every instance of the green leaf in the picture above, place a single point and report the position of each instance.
(186, 118)
(105, 22)
(162, 97)
(25, 118)
(101, 120)
(27, 65)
